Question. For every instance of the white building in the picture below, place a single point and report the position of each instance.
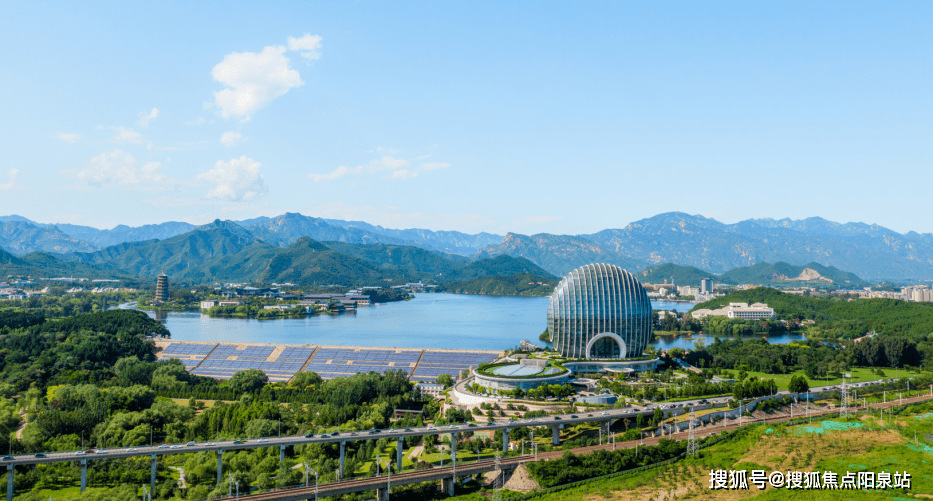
(206, 305)
(432, 389)
(742, 311)
(688, 290)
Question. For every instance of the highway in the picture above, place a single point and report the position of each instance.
(337, 437)
(465, 469)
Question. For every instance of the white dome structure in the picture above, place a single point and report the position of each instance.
(599, 311)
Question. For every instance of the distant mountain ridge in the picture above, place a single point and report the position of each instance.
(871, 252)
(789, 275)
(558, 254)
(454, 242)
(42, 265)
(225, 251)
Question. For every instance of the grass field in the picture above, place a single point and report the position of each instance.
(863, 443)
(859, 375)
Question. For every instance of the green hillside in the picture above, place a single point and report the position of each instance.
(404, 260)
(681, 275)
(839, 317)
(502, 266)
(176, 254)
(305, 262)
(519, 284)
(42, 265)
(788, 275)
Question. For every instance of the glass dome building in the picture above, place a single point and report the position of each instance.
(599, 311)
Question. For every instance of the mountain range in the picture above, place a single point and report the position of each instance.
(224, 251)
(871, 252)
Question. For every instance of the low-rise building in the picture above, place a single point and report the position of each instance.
(742, 311)
(687, 290)
(206, 305)
(430, 389)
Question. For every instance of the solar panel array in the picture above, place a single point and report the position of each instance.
(225, 369)
(222, 361)
(190, 354)
(228, 359)
(295, 354)
(435, 363)
(257, 353)
(340, 362)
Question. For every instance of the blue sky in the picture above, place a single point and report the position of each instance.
(501, 116)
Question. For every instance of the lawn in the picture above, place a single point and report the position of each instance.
(859, 374)
(864, 444)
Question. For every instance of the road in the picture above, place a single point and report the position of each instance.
(465, 469)
(335, 437)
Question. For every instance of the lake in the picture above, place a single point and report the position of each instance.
(456, 321)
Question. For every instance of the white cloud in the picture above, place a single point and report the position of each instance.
(434, 165)
(67, 138)
(404, 174)
(11, 184)
(145, 118)
(309, 45)
(398, 166)
(125, 135)
(382, 164)
(231, 139)
(254, 80)
(236, 180)
(422, 157)
(118, 167)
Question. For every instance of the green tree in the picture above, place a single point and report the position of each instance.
(445, 380)
(798, 384)
(248, 381)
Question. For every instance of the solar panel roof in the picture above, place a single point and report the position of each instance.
(189, 349)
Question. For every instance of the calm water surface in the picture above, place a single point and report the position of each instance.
(455, 321)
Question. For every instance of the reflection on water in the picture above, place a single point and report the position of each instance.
(457, 321)
(689, 342)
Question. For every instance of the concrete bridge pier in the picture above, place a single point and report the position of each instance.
(382, 494)
(9, 482)
(399, 445)
(83, 474)
(282, 454)
(555, 435)
(505, 440)
(152, 474)
(343, 450)
(453, 447)
(447, 485)
(220, 465)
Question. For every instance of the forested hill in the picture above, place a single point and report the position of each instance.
(788, 275)
(110, 322)
(519, 284)
(673, 273)
(840, 317)
(502, 266)
(40, 264)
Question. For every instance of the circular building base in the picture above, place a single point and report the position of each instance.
(509, 377)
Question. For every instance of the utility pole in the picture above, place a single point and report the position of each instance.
(497, 493)
(692, 446)
(843, 400)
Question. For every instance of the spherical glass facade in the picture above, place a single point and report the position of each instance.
(599, 311)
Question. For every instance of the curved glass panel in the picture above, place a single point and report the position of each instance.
(595, 299)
